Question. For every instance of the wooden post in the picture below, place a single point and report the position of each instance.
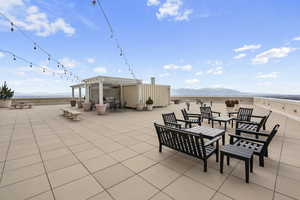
(79, 93)
(121, 95)
(87, 93)
(73, 93)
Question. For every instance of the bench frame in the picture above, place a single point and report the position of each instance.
(71, 114)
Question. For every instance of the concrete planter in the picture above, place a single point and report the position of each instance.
(100, 109)
(230, 109)
(150, 107)
(5, 103)
(79, 104)
(140, 107)
(87, 107)
(236, 107)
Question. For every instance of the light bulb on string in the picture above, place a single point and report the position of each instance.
(14, 57)
(12, 27)
(34, 46)
(49, 57)
(121, 52)
(44, 70)
(30, 65)
(57, 65)
(94, 2)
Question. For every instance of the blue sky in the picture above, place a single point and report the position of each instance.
(248, 45)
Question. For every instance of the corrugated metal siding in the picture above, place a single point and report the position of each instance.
(130, 95)
(159, 93)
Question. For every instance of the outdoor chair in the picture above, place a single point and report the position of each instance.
(207, 113)
(243, 114)
(171, 120)
(187, 142)
(251, 125)
(192, 117)
(259, 146)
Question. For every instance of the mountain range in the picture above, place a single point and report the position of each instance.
(207, 92)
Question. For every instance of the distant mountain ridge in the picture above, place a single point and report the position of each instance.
(207, 92)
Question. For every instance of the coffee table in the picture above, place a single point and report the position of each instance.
(207, 132)
(224, 120)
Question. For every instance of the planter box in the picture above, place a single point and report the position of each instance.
(87, 107)
(100, 109)
(140, 107)
(150, 107)
(5, 103)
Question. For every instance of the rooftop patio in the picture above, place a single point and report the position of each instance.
(115, 156)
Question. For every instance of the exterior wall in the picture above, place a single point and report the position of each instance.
(286, 107)
(242, 100)
(44, 101)
(160, 94)
(130, 95)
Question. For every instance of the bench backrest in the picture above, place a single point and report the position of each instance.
(206, 112)
(244, 114)
(266, 118)
(184, 113)
(272, 134)
(169, 117)
(181, 140)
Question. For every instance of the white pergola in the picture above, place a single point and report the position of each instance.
(104, 81)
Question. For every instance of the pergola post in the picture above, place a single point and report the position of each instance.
(73, 93)
(121, 95)
(139, 93)
(79, 93)
(101, 92)
(87, 93)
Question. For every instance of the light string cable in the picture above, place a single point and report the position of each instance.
(36, 46)
(113, 36)
(31, 64)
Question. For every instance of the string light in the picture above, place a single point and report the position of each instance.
(31, 64)
(36, 46)
(112, 36)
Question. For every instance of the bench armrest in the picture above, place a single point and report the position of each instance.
(258, 116)
(253, 132)
(172, 124)
(185, 121)
(214, 112)
(247, 122)
(212, 141)
(193, 115)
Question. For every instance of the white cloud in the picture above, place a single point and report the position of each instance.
(272, 75)
(100, 70)
(34, 20)
(153, 2)
(91, 60)
(173, 9)
(266, 83)
(239, 56)
(297, 38)
(215, 62)
(68, 62)
(247, 47)
(178, 67)
(6, 5)
(192, 81)
(199, 73)
(1, 55)
(164, 75)
(264, 57)
(215, 71)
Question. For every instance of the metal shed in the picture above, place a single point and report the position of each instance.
(129, 92)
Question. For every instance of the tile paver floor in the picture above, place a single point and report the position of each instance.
(115, 157)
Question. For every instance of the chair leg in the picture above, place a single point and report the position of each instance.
(221, 162)
(267, 153)
(160, 148)
(205, 165)
(261, 161)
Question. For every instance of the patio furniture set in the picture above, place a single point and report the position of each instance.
(21, 105)
(70, 114)
(190, 137)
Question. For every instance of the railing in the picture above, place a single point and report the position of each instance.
(207, 99)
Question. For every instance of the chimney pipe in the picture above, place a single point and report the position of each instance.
(152, 80)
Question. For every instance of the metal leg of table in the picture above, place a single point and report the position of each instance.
(221, 162)
(247, 161)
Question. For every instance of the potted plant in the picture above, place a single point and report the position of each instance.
(79, 104)
(236, 105)
(149, 104)
(87, 106)
(101, 109)
(140, 106)
(73, 102)
(229, 105)
(5, 96)
(176, 101)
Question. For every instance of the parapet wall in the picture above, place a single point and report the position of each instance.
(242, 100)
(43, 101)
(290, 108)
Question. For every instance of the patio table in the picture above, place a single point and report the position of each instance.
(207, 132)
(224, 120)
